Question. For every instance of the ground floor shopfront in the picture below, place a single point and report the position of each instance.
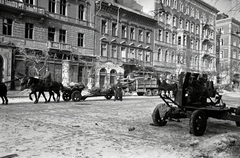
(6, 61)
(14, 66)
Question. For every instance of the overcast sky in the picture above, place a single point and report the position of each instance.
(222, 5)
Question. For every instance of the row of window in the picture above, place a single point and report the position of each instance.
(235, 54)
(189, 26)
(186, 9)
(63, 6)
(29, 32)
(126, 32)
(129, 53)
(179, 59)
(181, 40)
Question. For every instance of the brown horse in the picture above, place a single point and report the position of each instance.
(37, 85)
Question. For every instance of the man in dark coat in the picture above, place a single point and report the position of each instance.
(47, 79)
(118, 91)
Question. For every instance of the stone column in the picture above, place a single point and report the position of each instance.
(65, 72)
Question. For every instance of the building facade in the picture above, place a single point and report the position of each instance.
(63, 29)
(186, 36)
(229, 49)
(124, 41)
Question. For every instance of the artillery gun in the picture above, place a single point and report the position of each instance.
(197, 99)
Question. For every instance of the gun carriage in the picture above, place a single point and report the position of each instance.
(197, 99)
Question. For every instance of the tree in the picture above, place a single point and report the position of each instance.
(35, 60)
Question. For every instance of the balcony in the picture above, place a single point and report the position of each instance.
(32, 44)
(132, 61)
(69, 19)
(20, 42)
(165, 44)
(9, 39)
(83, 51)
(148, 64)
(207, 55)
(23, 6)
(59, 46)
(164, 64)
(194, 67)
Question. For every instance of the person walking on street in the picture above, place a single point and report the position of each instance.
(118, 91)
(47, 79)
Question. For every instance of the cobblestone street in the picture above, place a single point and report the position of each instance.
(106, 128)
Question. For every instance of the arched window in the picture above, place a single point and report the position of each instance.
(166, 56)
(196, 61)
(159, 54)
(81, 12)
(173, 57)
(113, 75)
(103, 74)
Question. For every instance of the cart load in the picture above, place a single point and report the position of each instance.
(73, 91)
(96, 91)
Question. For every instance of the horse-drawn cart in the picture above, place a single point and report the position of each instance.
(74, 93)
(196, 99)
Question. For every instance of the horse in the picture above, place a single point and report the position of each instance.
(166, 87)
(37, 85)
(3, 93)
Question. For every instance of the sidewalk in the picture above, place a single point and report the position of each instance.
(18, 94)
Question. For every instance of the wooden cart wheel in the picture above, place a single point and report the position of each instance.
(238, 113)
(76, 96)
(66, 96)
(159, 115)
(155, 92)
(108, 97)
(148, 92)
(198, 123)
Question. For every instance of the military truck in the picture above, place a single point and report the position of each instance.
(147, 86)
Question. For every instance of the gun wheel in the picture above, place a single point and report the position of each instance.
(198, 123)
(159, 115)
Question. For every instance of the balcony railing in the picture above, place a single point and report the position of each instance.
(208, 53)
(132, 61)
(83, 51)
(24, 6)
(164, 64)
(59, 46)
(35, 44)
(20, 42)
(69, 19)
(166, 44)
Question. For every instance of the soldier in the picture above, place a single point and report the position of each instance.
(118, 91)
(47, 79)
